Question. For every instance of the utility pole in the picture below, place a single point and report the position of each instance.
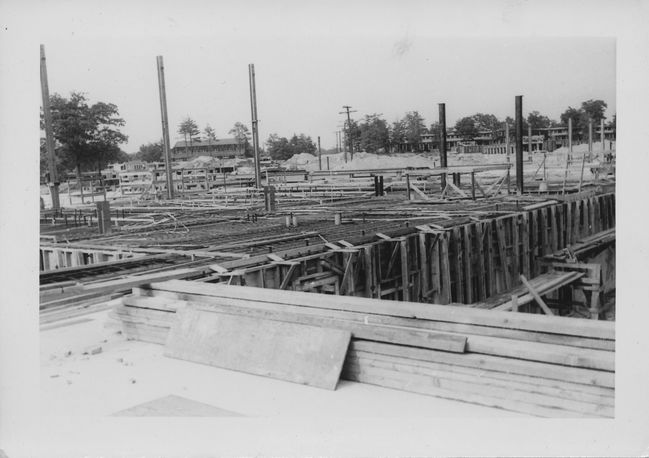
(255, 121)
(519, 144)
(53, 182)
(165, 127)
(349, 129)
(442, 142)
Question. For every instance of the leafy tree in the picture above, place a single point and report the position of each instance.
(594, 109)
(374, 135)
(86, 136)
(281, 148)
(414, 127)
(151, 152)
(484, 121)
(241, 133)
(537, 121)
(397, 133)
(188, 129)
(466, 128)
(209, 132)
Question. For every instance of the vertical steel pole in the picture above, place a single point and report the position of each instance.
(319, 155)
(255, 121)
(53, 182)
(165, 127)
(519, 144)
(442, 142)
(569, 137)
(590, 139)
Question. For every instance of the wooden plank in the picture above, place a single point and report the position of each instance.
(558, 388)
(424, 270)
(534, 245)
(587, 378)
(538, 299)
(424, 385)
(517, 383)
(370, 279)
(484, 387)
(502, 254)
(435, 269)
(482, 287)
(468, 261)
(297, 353)
(491, 275)
(561, 227)
(365, 318)
(405, 269)
(538, 323)
(445, 271)
(359, 326)
(289, 276)
(543, 225)
(516, 252)
(458, 260)
(554, 242)
(526, 244)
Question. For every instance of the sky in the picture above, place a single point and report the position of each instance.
(304, 80)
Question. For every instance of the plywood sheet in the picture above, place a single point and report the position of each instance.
(287, 351)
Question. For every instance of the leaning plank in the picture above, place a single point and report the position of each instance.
(302, 354)
(538, 323)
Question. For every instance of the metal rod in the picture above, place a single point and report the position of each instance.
(319, 155)
(442, 141)
(255, 121)
(53, 181)
(519, 144)
(165, 127)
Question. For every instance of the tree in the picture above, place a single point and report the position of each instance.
(85, 135)
(484, 121)
(594, 109)
(537, 121)
(151, 152)
(209, 133)
(398, 133)
(414, 128)
(242, 135)
(466, 128)
(374, 136)
(281, 148)
(188, 129)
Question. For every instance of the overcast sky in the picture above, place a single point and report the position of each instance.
(304, 80)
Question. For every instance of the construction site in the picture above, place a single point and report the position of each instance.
(473, 285)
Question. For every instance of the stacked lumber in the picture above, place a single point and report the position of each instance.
(536, 364)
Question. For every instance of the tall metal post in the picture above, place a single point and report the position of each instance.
(319, 155)
(442, 142)
(255, 121)
(53, 182)
(569, 137)
(165, 127)
(601, 134)
(519, 144)
(590, 139)
(507, 140)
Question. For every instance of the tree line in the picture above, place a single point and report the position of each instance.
(87, 136)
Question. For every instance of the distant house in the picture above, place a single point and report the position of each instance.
(220, 148)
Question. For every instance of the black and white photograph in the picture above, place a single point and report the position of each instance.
(275, 229)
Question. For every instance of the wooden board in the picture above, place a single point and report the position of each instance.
(523, 321)
(287, 351)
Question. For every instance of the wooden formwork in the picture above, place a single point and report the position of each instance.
(461, 264)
